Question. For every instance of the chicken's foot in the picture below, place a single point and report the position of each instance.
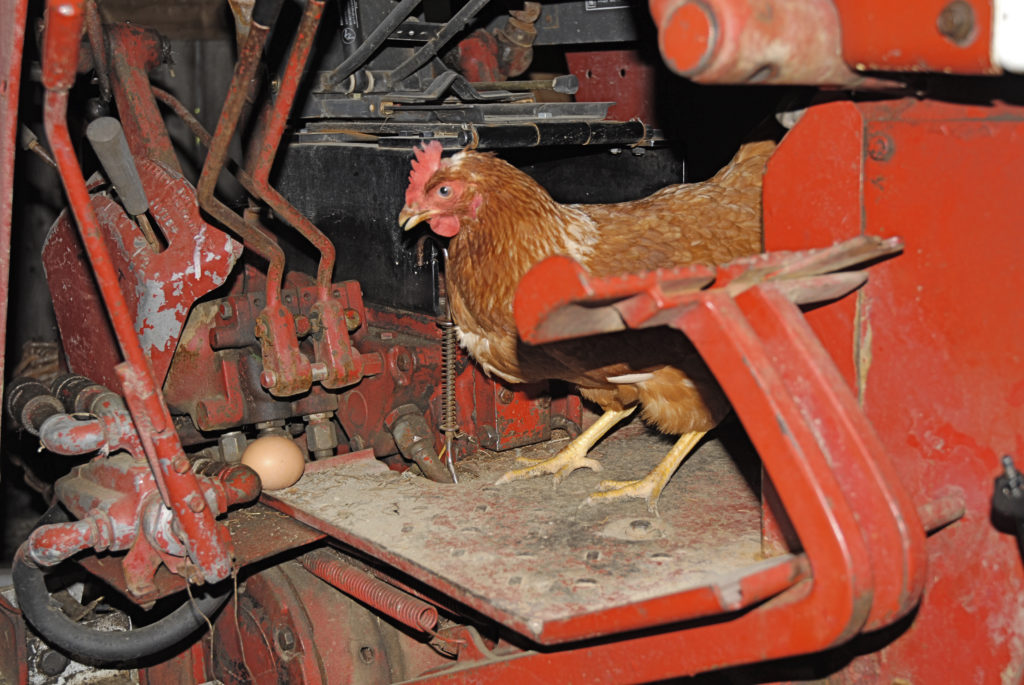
(574, 456)
(650, 486)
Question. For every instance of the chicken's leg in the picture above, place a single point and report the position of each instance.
(574, 456)
(650, 486)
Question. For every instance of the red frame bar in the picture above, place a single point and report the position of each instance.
(209, 544)
(12, 35)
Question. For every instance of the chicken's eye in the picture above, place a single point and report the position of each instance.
(444, 191)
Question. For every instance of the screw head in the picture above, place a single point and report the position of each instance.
(285, 638)
(881, 147)
(956, 22)
(268, 378)
(352, 319)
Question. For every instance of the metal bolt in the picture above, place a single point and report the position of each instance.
(52, 663)
(196, 503)
(489, 434)
(226, 311)
(1013, 477)
(285, 638)
(367, 655)
(956, 22)
(232, 444)
(505, 396)
(881, 147)
(403, 361)
(268, 379)
(352, 319)
(318, 370)
(180, 464)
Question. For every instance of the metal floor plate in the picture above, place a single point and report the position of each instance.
(529, 555)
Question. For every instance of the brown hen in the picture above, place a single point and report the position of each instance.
(501, 223)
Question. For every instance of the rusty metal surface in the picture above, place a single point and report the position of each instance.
(880, 36)
(740, 41)
(620, 76)
(528, 555)
(209, 546)
(932, 345)
(12, 35)
(159, 287)
(13, 658)
(258, 533)
(134, 52)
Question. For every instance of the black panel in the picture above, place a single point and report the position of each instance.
(354, 193)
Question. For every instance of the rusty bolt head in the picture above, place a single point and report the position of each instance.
(268, 378)
(505, 396)
(403, 361)
(319, 371)
(320, 435)
(956, 22)
(285, 638)
(302, 326)
(232, 444)
(196, 503)
(352, 319)
(180, 464)
(881, 147)
(225, 310)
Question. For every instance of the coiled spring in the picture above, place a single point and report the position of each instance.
(449, 412)
(400, 606)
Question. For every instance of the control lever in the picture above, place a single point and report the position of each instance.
(107, 139)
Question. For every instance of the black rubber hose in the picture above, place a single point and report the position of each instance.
(101, 647)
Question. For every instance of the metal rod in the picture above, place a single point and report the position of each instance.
(98, 43)
(425, 53)
(270, 128)
(369, 46)
(254, 239)
(205, 137)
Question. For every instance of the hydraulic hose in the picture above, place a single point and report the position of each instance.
(102, 647)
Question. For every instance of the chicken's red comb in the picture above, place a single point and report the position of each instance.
(428, 160)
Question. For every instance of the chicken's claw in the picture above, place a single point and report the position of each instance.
(562, 464)
(650, 486)
(574, 456)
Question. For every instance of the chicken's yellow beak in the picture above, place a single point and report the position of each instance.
(408, 217)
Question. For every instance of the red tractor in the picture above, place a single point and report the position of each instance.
(198, 210)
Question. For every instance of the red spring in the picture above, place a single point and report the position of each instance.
(398, 605)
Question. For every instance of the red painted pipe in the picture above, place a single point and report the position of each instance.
(739, 41)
